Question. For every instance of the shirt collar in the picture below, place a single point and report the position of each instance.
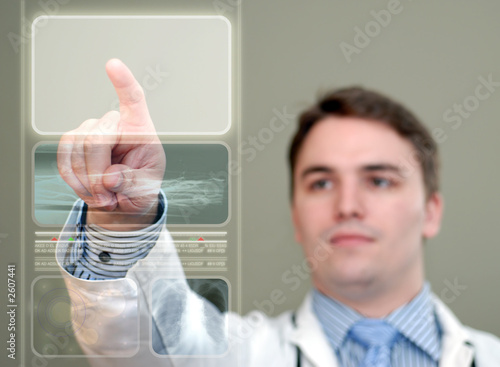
(415, 320)
(335, 317)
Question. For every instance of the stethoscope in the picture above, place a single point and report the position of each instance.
(299, 352)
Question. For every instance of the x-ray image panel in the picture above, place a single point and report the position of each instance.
(196, 184)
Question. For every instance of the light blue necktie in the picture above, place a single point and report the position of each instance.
(379, 337)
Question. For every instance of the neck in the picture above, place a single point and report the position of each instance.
(377, 301)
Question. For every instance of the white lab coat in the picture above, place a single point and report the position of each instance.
(114, 324)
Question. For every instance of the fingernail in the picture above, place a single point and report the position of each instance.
(119, 181)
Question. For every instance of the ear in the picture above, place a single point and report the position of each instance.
(433, 214)
(296, 223)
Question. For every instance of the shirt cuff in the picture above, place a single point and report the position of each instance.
(101, 254)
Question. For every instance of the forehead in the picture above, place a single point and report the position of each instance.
(346, 143)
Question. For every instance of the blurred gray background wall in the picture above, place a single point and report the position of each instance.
(432, 56)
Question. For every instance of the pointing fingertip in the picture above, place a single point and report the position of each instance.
(113, 61)
(113, 65)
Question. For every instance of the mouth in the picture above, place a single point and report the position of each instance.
(350, 240)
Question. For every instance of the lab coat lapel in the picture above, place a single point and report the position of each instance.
(457, 350)
(308, 335)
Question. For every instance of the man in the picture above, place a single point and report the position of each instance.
(364, 199)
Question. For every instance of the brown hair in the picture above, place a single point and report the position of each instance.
(370, 105)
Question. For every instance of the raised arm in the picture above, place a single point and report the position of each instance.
(116, 164)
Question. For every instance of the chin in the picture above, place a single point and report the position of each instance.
(352, 278)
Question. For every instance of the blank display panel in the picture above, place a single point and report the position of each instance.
(183, 64)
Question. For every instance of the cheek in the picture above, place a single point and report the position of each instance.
(311, 217)
(402, 220)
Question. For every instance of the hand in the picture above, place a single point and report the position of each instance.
(116, 163)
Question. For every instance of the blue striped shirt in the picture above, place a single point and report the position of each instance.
(419, 342)
(99, 254)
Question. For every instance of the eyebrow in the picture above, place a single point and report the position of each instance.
(367, 168)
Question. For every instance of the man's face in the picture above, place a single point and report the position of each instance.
(358, 213)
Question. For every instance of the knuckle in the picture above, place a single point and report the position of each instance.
(66, 140)
(128, 179)
(85, 126)
(78, 166)
(65, 170)
(90, 142)
(113, 115)
(95, 180)
(66, 136)
(137, 94)
(108, 123)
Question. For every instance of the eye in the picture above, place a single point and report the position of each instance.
(321, 184)
(381, 182)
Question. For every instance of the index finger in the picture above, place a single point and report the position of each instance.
(133, 108)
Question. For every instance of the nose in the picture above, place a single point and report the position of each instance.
(349, 203)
